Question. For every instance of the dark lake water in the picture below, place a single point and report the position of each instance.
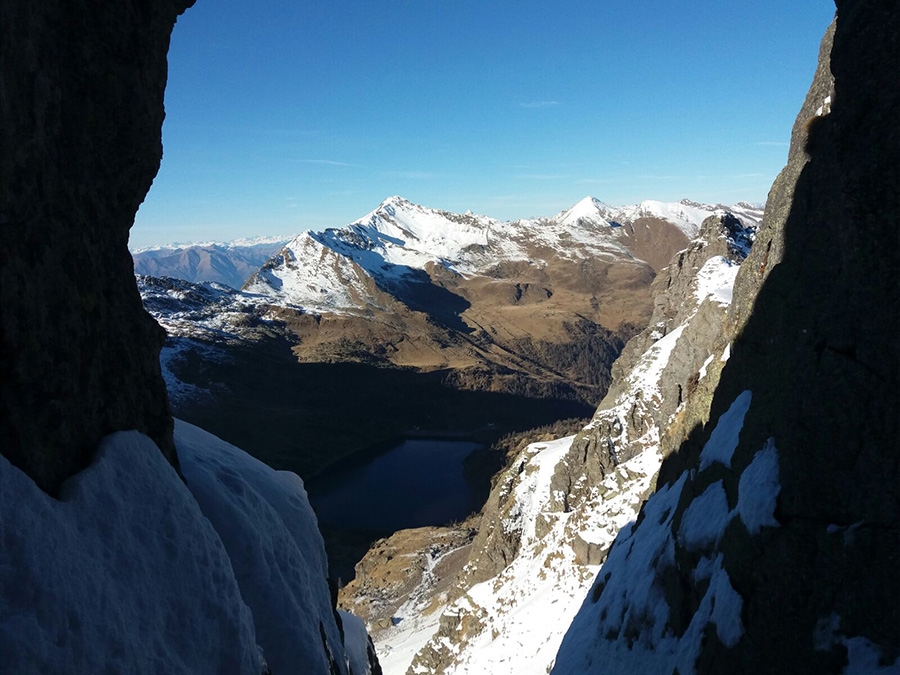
(416, 483)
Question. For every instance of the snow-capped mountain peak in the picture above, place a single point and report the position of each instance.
(589, 208)
(334, 269)
(240, 242)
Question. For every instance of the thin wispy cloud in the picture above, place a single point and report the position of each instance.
(541, 176)
(414, 175)
(540, 104)
(597, 181)
(325, 162)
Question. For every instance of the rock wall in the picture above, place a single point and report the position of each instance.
(642, 412)
(81, 104)
(772, 541)
(554, 511)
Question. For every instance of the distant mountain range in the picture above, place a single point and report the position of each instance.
(529, 312)
(333, 270)
(228, 263)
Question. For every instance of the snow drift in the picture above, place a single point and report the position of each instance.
(133, 571)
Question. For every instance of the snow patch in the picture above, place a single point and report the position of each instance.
(715, 280)
(863, 656)
(721, 604)
(647, 373)
(758, 490)
(709, 360)
(724, 439)
(704, 520)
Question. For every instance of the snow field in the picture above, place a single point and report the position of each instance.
(122, 574)
(715, 280)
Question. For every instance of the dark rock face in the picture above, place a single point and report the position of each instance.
(81, 104)
(819, 351)
(773, 540)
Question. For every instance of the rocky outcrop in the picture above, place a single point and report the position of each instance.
(126, 571)
(82, 108)
(554, 511)
(666, 373)
(772, 541)
(402, 569)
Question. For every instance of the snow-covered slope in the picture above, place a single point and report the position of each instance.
(133, 571)
(514, 622)
(627, 595)
(330, 270)
(122, 574)
(555, 511)
(201, 320)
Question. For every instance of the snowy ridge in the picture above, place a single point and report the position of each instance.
(241, 242)
(334, 269)
(687, 215)
(307, 274)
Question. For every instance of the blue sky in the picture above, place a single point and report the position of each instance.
(286, 115)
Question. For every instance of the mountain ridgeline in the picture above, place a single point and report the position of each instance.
(505, 325)
(230, 264)
(733, 505)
